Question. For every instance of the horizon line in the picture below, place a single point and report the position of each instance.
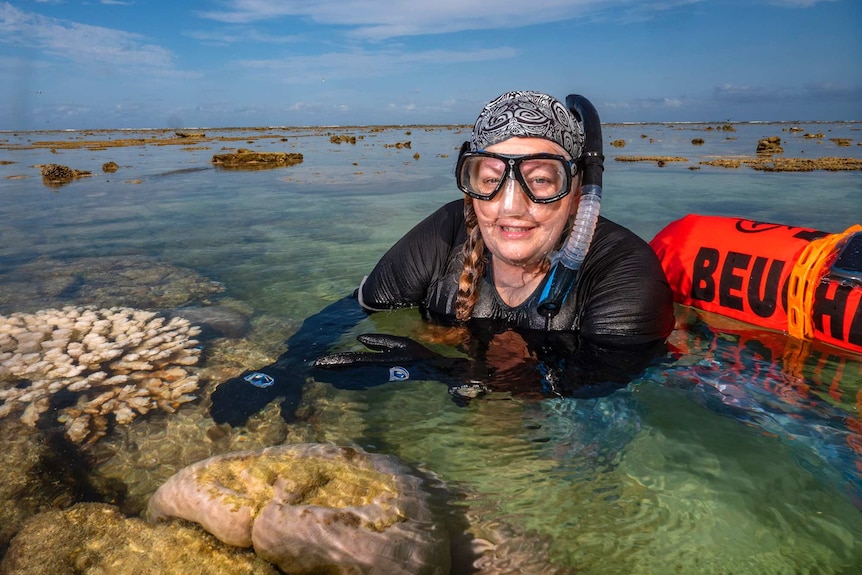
(416, 125)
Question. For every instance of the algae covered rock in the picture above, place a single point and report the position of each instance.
(95, 538)
(248, 159)
(35, 477)
(56, 174)
(313, 508)
(769, 145)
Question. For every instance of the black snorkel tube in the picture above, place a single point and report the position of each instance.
(565, 266)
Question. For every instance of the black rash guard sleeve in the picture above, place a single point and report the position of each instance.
(623, 295)
(405, 275)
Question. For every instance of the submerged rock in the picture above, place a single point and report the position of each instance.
(95, 538)
(312, 508)
(141, 282)
(215, 320)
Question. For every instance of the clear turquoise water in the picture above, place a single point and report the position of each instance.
(664, 476)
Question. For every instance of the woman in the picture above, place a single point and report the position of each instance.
(489, 255)
(486, 262)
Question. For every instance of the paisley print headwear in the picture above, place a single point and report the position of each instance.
(528, 115)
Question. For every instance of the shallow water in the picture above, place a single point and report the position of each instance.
(704, 464)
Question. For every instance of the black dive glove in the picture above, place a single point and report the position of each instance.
(238, 398)
(397, 358)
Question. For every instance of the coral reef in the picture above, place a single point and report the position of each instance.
(185, 134)
(764, 162)
(770, 164)
(57, 175)
(769, 145)
(343, 138)
(95, 538)
(117, 362)
(313, 508)
(659, 160)
(249, 159)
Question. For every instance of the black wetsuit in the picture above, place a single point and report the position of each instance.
(611, 326)
(621, 298)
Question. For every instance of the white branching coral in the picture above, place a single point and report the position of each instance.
(117, 362)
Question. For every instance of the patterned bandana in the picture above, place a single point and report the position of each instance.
(528, 115)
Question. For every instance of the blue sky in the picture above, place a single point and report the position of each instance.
(169, 64)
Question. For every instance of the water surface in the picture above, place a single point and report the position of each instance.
(710, 462)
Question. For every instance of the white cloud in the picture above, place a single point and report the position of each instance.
(361, 64)
(222, 38)
(380, 19)
(798, 3)
(742, 93)
(81, 43)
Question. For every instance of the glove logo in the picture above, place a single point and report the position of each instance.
(398, 373)
(258, 379)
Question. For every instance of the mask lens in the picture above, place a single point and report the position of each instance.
(546, 178)
(481, 175)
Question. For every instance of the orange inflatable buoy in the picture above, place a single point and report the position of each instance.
(769, 275)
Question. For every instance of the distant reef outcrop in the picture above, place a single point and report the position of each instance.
(248, 159)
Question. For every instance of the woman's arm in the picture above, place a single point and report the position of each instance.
(404, 275)
(623, 295)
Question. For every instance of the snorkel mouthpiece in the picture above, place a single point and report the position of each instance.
(564, 272)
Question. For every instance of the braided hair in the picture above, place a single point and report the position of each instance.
(474, 264)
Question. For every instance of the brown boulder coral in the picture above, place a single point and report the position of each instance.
(312, 508)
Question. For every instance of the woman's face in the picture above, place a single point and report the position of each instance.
(517, 231)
